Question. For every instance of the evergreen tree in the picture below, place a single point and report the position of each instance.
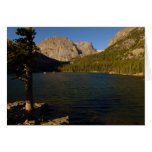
(22, 55)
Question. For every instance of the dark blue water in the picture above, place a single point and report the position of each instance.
(88, 98)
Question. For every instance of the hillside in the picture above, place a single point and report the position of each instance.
(120, 34)
(124, 55)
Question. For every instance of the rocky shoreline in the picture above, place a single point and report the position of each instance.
(136, 74)
(17, 115)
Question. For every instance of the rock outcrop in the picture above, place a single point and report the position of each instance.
(120, 34)
(64, 49)
(131, 39)
(58, 121)
(85, 48)
(16, 115)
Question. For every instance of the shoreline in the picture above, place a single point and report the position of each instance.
(16, 115)
(41, 115)
(136, 74)
(112, 73)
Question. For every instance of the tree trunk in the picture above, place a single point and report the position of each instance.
(28, 90)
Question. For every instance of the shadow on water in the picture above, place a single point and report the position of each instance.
(88, 117)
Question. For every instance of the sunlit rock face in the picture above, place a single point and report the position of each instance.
(131, 39)
(64, 49)
(120, 34)
(86, 48)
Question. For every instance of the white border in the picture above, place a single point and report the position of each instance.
(74, 13)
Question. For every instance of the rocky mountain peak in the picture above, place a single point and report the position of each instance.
(86, 48)
(64, 49)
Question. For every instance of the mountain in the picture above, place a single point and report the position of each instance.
(124, 55)
(131, 41)
(120, 34)
(64, 49)
(85, 48)
(56, 51)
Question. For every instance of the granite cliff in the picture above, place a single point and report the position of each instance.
(64, 49)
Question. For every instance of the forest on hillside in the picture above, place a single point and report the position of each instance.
(118, 58)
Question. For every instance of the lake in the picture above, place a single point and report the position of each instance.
(88, 98)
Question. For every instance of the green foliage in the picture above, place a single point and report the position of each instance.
(141, 44)
(21, 51)
(113, 59)
(117, 58)
(130, 66)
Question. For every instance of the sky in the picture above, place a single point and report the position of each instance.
(99, 36)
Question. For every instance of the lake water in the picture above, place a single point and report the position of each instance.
(87, 98)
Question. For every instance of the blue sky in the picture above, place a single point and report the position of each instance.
(99, 36)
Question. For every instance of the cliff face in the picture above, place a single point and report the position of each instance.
(64, 49)
(120, 34)
(130, 41)
(59, 48)
(85, 48)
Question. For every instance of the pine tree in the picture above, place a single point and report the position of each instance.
(22, 55)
